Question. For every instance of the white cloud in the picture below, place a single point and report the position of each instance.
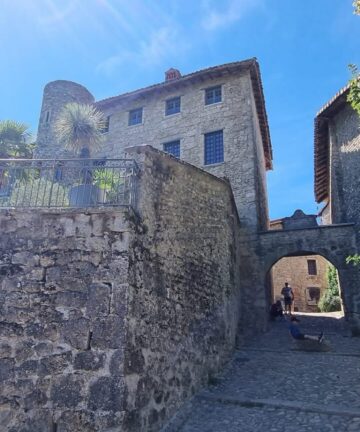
(233, 11)
(163, 44)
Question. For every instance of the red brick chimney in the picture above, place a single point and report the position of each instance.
(172, 74)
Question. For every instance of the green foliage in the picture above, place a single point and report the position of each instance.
(111, 181)
(14, 140)
(330, 300)
(353, 259)
(80, 127)
(356, 5)
(36, 192)
(354, 88)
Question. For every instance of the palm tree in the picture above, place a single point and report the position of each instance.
(14, 137)
(79, 127)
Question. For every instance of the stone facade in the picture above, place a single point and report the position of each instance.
(110, 318)
(345, 161)
(295, 271)
(240, 115)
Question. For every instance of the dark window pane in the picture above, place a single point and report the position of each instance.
(173, 148)
(172, 106)
(214, 148)
(312, 267)
(313, 295)
(212, 95)
(135, 116)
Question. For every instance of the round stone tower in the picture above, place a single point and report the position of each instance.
(56, 95)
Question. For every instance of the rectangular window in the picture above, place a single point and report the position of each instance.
(172, 106)
(312, 270)
(312, 295)
(106, 125)
(135, 116)
(212, 95)
(173, 147)
(214, 148)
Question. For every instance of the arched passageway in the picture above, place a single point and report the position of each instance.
(333, 242)
(314, 282)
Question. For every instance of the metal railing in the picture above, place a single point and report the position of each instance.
(67, 183)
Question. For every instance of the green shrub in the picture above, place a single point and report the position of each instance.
(330, 301)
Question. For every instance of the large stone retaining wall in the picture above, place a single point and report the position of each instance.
(111, 319)
(184, 297)
(63, 279)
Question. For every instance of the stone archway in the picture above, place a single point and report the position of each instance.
(333, 242)
(307, 274)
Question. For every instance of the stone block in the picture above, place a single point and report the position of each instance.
(98, 303)
(27, 368)
(107, 394)
(25, 258)
(55, 364)
(10, 329)
(76, 421)
(40, 421)
(108, 333)
(66, 391)
(7, 369)
(71, 299)
(116, 366)
(76, 332)
(5, 350)
(24, 350)
(35, 399)
(89, 360)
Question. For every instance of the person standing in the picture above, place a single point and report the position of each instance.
(288, 295)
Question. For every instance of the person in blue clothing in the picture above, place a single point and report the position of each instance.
(296, 333)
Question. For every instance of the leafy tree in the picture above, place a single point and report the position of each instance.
(356, 5)
(79, 127)
(354, 90)
(14, 140)
(330, 300)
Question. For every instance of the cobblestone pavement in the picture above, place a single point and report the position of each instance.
(270, 385)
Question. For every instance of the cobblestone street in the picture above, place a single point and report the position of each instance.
(272, 386)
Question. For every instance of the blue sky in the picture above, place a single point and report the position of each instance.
(114, 46)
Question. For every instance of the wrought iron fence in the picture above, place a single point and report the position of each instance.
(71, 183)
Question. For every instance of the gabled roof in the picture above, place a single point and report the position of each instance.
(321, 142)
(250, 65)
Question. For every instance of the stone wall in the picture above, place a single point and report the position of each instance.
(294, 270)
(63, 281)
(111, 319)
(184, 297)
(333, 242)
(345, 161)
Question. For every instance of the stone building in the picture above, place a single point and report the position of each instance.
(113, 316)
(337, 161)
(214, 119)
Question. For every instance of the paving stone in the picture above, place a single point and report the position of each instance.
(269, 386)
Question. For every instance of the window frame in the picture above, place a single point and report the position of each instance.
(213, 90)
(135, 110)
(208, 135)
(173, 142)
(171, 111)
(312, 267)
